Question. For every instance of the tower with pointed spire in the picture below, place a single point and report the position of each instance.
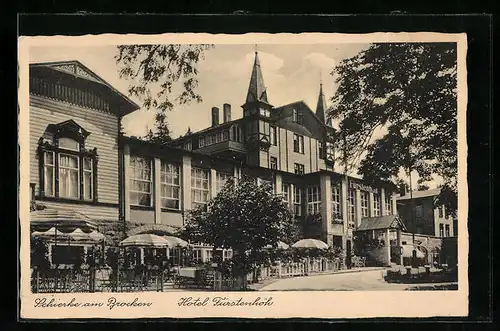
(321, 106)
(256, 102)
(257, 111)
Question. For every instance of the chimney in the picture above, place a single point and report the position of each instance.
(227, 112)
(215, 116)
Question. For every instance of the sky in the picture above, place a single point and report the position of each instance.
(291, 73)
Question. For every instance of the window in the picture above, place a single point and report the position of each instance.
(299, 169)
(66, 169)
(336, 201)
(419, 211)
(376, 204)
(210, 139)
(441, 230)
(49, 173)
(285, 189)
(329, 151)
(170, 186)
(298, 143)
(321, 151)
(297, 116)
(140, 182)
(441, 213)
(201, 142)
(274, 140)
(447, 229)
(188, 146)
(236, 132)
(364, 204)
(68, 143)
(199, 187)
(265, 112)
(297, 201)
(388, 205)
(218, 137)
(69, 179)
(209, 255)
(221, 179)
(88, 175)
(313, 199)
(225, 135)
(351, 202)
(227, 254)
(273, 163)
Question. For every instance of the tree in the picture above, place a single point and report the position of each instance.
(161, 134)
(245, 217)
(407, 94)
(161, 76)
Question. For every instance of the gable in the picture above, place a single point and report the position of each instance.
(311, 125)
(75, 68)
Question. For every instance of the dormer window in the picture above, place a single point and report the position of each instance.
(265, 112)
(66, 169)
(297, 116)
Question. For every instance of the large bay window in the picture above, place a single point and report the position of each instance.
(66, 169)
(376, 204)
(200, 187)
(221, 179)
(336, 201)
(170, 186)
(388, 205)
(365, 204)
(141, 185)
(285, 191)
(351, 204)
(313, 199)
(297, 201)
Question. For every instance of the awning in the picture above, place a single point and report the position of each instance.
(407, 251)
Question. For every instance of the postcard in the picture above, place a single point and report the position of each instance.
(183, 175)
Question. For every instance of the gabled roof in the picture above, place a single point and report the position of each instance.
(420, 194)
(281, 114)
(256, 89)
(78, 70)
(381, 223)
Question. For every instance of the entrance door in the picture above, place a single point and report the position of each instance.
(348, 259)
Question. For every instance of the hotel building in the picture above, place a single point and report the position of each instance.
(80, 160)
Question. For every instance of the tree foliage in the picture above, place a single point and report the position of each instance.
(161, 134)
(161, 76)
(407, 94)
(245, 217)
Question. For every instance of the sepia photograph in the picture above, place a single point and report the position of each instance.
(209, 168)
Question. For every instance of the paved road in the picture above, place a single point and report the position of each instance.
(355, 281)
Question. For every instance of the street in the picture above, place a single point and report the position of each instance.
(351, 281)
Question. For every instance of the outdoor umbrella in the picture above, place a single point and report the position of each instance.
(310, 243)
(281, 245)
(78, 234)
(175, 241)
(60, 219)
(52, 232)
(145, 239)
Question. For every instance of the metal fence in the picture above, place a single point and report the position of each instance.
(137, 280)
